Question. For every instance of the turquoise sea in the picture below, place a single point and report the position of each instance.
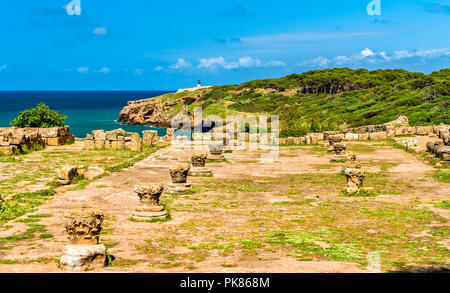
(86, 110)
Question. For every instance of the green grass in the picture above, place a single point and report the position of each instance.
(442, 176)
(445, 204)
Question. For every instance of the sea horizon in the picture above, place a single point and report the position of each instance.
(86, 110)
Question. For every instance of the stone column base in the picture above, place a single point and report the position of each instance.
(337, 158)
(216, 158)
(177, 188)
(143, 213)
(200, 171)
(64, 182)
(83, 257)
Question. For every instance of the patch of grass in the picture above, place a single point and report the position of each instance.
(9, 262)
(45, 236)
(360, 193)
(445, 204)
(360, 148)
(442, 176)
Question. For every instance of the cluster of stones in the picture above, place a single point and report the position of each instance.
(179, 174)
(311, 138)
(14, 139)
(148, 207)
(198, 168)
(400, 126)
(114, 139)
(83, 229)
(441, 148)
(67, 173)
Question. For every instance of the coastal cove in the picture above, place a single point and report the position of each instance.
(85, 110)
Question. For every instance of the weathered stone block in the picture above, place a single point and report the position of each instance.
(99, 144)
(377, 135)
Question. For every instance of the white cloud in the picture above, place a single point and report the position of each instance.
(367, 53)
(243, 62)
(83, 69)
(158, 68)
(139, 71)
(373, 57)
(275, 63)
(181, 64)
(3, 67)
(100, 31)
(104, 70)
(212, 62)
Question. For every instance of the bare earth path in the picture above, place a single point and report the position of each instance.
(230, 222)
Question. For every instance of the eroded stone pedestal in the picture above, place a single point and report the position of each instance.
(198, 168)
(179, 174)
(178, 188)
(355, 178)
(83, 229)
(216, 152)
(149, 207)
(83, 257)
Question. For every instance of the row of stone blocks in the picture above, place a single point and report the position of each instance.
(114, 139)
(16, 139)
(441, 148)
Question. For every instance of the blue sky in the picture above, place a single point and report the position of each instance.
(147, 44)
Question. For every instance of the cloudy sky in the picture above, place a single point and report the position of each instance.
(149, 44)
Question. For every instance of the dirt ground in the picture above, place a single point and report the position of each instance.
(288, 216)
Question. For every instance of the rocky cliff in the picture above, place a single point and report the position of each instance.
(157, 111)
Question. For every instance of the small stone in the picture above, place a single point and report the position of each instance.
(66, 174)
(92, 172)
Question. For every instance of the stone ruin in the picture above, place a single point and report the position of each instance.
(337, 146)
(198, 168)
(117, 139)
(149, 137)
(355, 177)
(149, 207)
(66, 174)
(13, 140)
(83, 229)
(216, 151)
(179, 174)
(440, 148)
(91, 172)
(354, 173)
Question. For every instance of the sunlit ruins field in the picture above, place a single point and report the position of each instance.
(285, 216)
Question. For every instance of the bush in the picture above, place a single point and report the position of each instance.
(41, 116)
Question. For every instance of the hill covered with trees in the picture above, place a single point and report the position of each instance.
(315, 101)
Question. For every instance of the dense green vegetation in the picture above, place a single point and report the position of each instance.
(41, 116)
(333, 99)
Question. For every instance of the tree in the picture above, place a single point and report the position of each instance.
(41, 116)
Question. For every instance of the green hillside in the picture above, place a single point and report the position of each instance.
(331, 99)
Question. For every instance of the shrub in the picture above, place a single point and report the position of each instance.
(41, 116)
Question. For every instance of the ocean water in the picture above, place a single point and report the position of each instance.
(85, 110)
